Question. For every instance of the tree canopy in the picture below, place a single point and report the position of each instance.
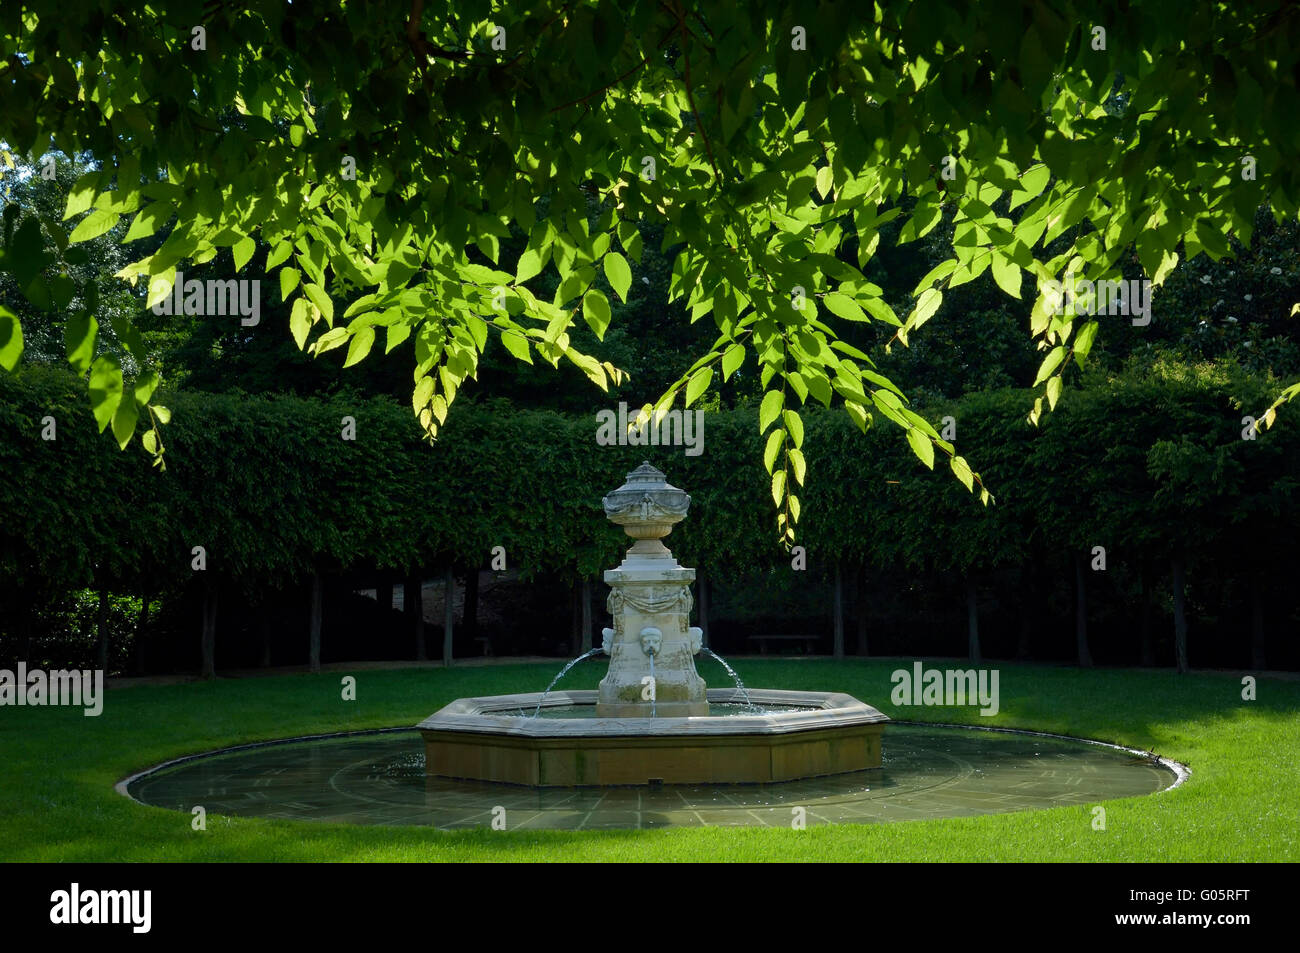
(384, 161)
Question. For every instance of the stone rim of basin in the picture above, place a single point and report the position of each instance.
(487, 714)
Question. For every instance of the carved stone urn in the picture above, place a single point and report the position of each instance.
(652, 645)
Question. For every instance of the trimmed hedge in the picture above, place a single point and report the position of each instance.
(1152, 469)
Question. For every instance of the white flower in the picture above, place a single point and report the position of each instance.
(645, 281)
(1219, 302)
(1275, 271)
(1247, 343)
(1232, 319)
(1250, 297)
(1205, 279)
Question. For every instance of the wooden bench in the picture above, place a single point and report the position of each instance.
(807, 643)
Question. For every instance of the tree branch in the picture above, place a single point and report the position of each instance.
(690, 97)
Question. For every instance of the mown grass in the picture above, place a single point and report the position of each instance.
(57, 801)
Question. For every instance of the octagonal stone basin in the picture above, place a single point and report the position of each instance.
(801, 735)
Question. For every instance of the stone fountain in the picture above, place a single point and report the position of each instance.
(653, 719)
(652, 645)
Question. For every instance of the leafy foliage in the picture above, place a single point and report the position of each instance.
(383, 153)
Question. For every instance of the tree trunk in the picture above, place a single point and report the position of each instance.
(384, 599)
(413, 609)
(469, 614)
(264, 624)
(1148, 610)
(1081, 612)
(141, 626)
(209, 643)
(861, 601)
(101, 622)
(838, 621)
(973, 619)
(448, 612)
(704, 608)
(1257, 634)
(313, 645)
(1180, 614)
(586, 615)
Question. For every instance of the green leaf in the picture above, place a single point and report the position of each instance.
(858, 414)
(38, 293)
(774, 441)
(129, 335)
(243, 251)
(844, 306)
(11, 339)
(62, 288)
(797, 464)
(961, 469)
(921, 446)
(1053, 391)
(161, 287)
(1007, 274)
(926, 306)
(618, 272)
(595, 309)
(300, 321)
(328, 341)
(79, 335)
(25, 255)
(82, 194)
(630, 239)
(397, 333)
(1083, 341)
(937, 273)
(148, 220)
(105, 388)
(360, 346)
(732, 358)
(289, 278)
(162, 413)
(773, 402)
(124, 419)
(1032, 182)
(145, 385)
(825, 179)
(278, 254)
(1050, 363)
(530, 264)
(93, 225)
(793, 423)
(423, 391)
(698, 384)
(321, 300)
(517, 344)
(881, 311)
(778, 486)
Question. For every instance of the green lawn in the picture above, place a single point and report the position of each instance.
(57, 801)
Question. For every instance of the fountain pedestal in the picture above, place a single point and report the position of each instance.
(652, 645)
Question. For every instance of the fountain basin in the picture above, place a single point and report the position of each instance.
(486, 739)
